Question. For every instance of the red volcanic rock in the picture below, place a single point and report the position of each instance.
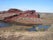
(11, 11)
(31, 13)
(14, 10)
(17, 15)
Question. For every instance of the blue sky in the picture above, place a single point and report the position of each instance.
(38, 5)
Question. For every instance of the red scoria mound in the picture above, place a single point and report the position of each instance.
(26, 17)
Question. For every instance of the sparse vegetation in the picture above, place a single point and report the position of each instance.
(51, 28)
(26, 36)
(19, 31)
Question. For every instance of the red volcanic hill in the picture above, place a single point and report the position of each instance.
(14, 10)
(26, 17)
